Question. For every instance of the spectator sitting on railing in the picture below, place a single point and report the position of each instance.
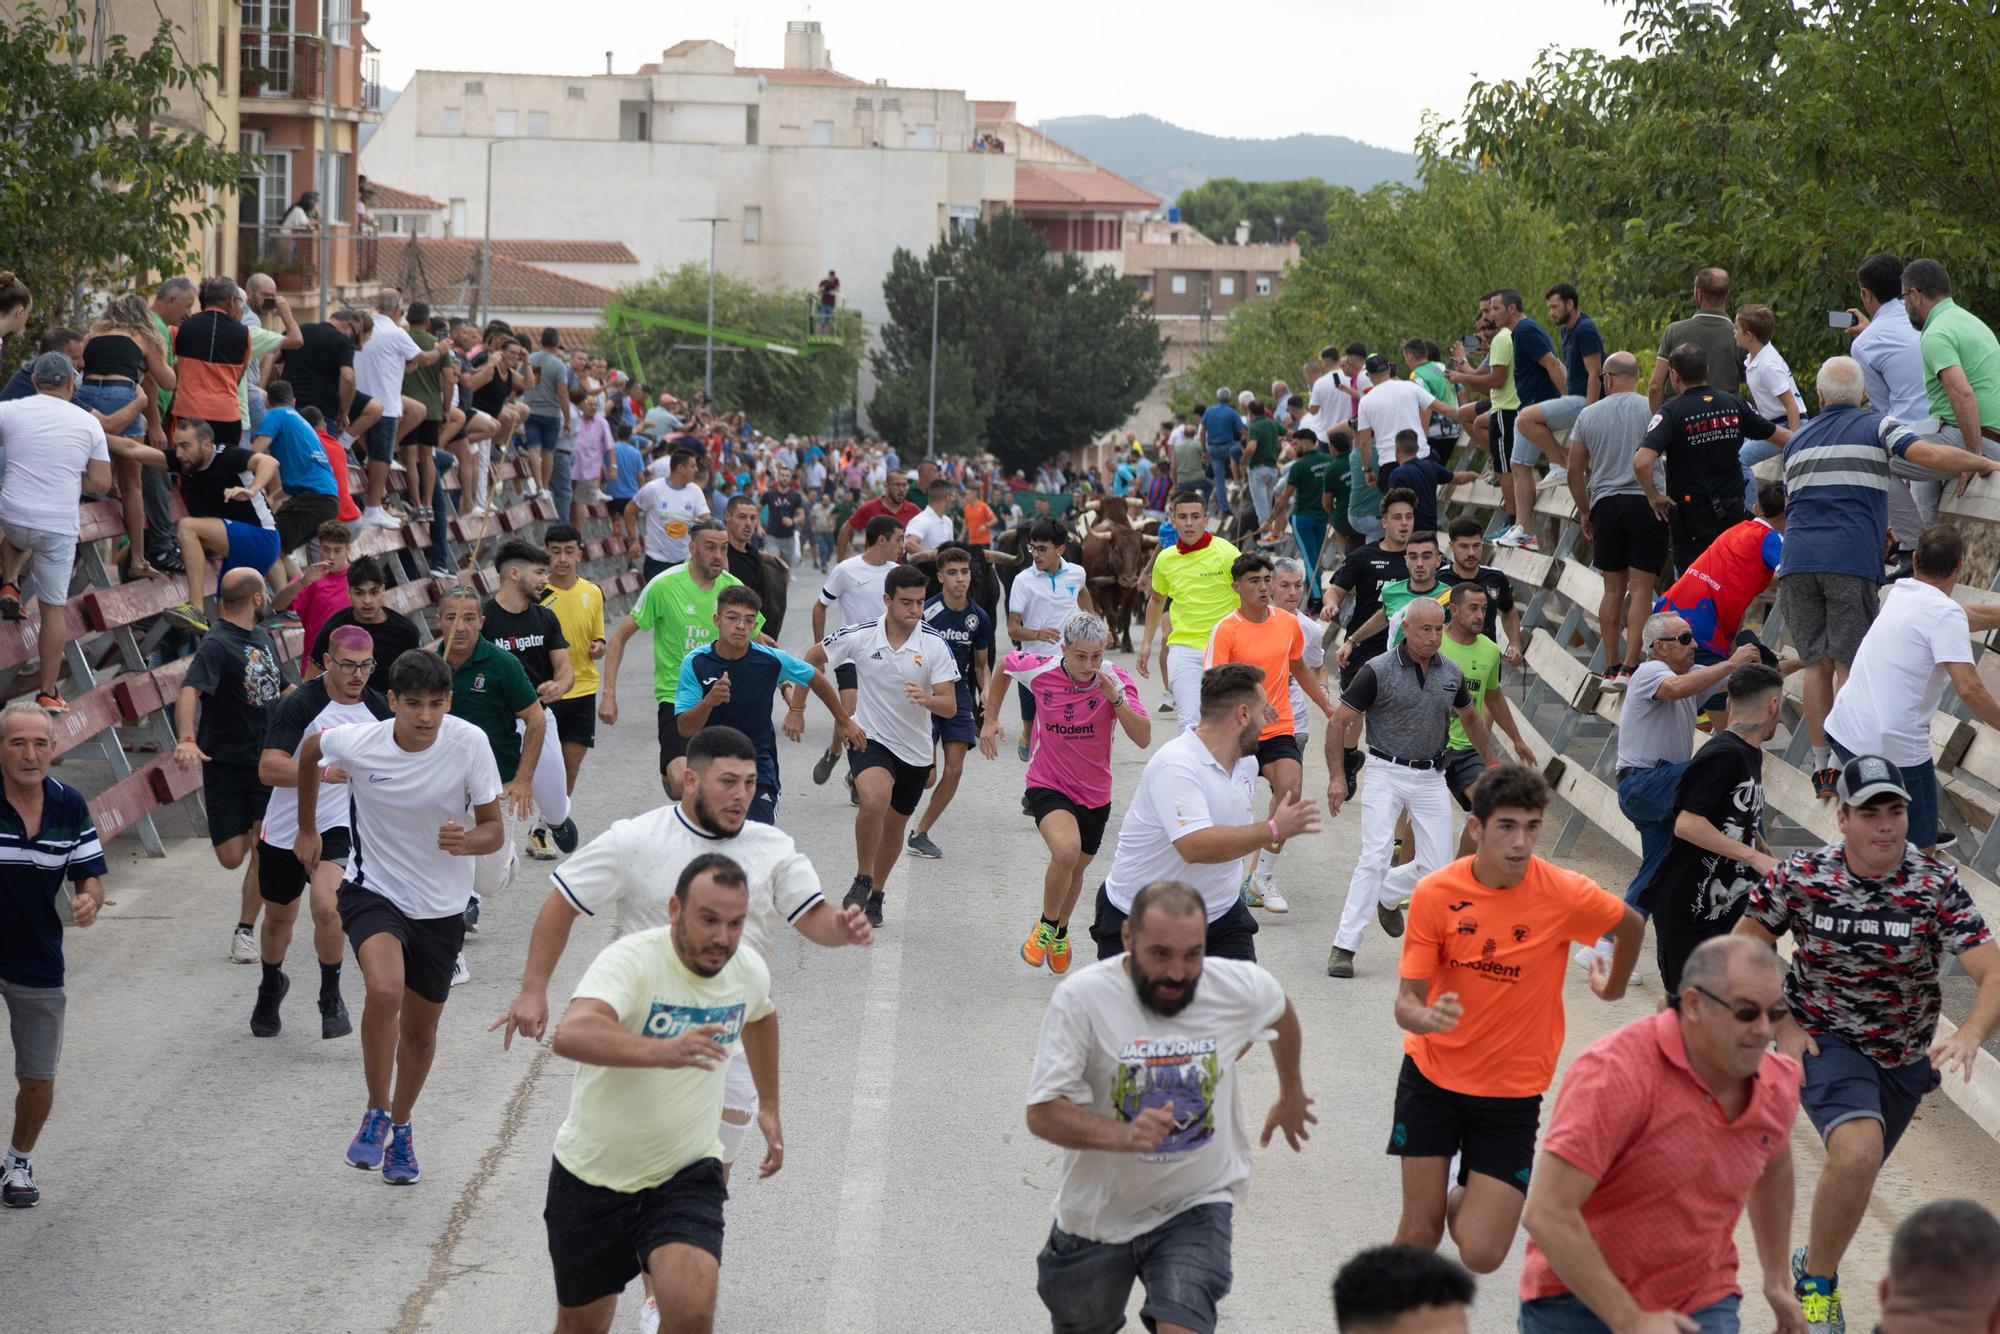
(53, 449)
(224, 489)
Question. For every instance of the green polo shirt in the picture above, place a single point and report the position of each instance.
(1308, 479)
(1954, 336)
(489, 690)
(1265, 437)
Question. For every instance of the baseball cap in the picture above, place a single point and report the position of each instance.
(1867, 777)
(1377, 364)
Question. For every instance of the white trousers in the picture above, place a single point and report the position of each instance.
(1184, 684)
(551, 780)
(1388, 790)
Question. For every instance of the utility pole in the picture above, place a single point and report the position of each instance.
(708, 370)
(930, 427)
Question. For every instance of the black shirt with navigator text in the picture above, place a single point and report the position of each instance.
(533, 636)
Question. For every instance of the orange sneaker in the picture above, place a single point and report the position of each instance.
(1059, 954)
(1035, 950)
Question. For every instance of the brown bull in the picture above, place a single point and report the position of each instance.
(1114, 555)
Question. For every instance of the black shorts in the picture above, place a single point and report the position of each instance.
(1359, 659)
(600, 1239)
(356, 406)
(235, 800)
(1229, 936)
(843, 676)
(299, 521)
(615, 505)
(1274, 748)
(281, 877)
(430, 945)
(961, 726)
(576, 722)
(1496, 1135)
(1500, 438)
(1627, 535)
(1040, 802)
(909, 779)
(423, 433)
(673, 746)
(1462, 768)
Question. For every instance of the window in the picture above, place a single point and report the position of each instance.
(339, 205)
(864, 104)
(1228, 287)
(753, 224)
(962, 217)
(266, 189)
(504, 123)
(456, 213)
(1180, 284)
(750, 125)
(575, 92)
(454, 121)
(1263, 287)
(635, 121)
(538, 124)
(823, 134)
(474, 87)
(340, 21)
(894, 104)
(925, 137)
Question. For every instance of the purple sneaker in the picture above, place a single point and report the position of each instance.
(366, 1150)
(400, 1167)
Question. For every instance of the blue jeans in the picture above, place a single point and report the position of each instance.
(1748, 455)
(1368, 525)
(1921, 782)
(1567, 1315)
(1183, 1264)
(823, 545)
(1263, 484)
(1219, 459)
(559, 487)
(1646, 798)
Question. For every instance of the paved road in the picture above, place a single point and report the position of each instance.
(194, 1174)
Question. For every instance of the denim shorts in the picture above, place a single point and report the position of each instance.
(1183, 1264)
(107, 397)
(1844, 1085)
(1567, 1315)
(541, 432)
(52, 559)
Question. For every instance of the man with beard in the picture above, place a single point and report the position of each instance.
(515, 620)
(1135, 1079)
(630, 867)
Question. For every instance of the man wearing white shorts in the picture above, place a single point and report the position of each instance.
(1194, 574)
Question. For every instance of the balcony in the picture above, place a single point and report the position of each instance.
(291, 258)
(280, 65)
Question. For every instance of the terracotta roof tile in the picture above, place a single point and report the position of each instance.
(565, 252)
(445, 272)
(822, 77)
(389, 197)
(1048, 185)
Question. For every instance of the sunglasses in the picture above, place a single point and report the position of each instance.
(1684, 637)
(1747, 1014)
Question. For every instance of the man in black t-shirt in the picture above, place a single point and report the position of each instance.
(228, 516)
(321, 373)
(1718, 852)
(394, 633)
(1362, 574)
(236, 678)
(1700, 431)
(761, 575)
(784, 513)
(516, 622)
(1466, 544)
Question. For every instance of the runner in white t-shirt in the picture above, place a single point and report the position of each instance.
(930, 527)
(424, 796)
(669, 505)
(905, 674)
(854, 591)
(1044, 595)
(1135, 1078)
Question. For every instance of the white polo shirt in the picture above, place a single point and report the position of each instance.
(854, 590)
(928, 530)
(1182, 791)
(1899, 675)
(1390, 408)
(1045, 601)
(881, 669)
(380, 363)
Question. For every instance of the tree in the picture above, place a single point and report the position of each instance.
(1037, 352)
(775, 392)
(1277, 211)
(95, 192)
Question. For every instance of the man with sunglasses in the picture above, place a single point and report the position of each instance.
(1870, 918)
(1663, 1132)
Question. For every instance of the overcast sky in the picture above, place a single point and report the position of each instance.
(1260, 69)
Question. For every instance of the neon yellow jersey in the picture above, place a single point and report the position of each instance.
(580, 609)
(1503, 395)
(1199, 584)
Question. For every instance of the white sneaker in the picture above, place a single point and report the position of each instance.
(242, 946)
(396, 465)
(1513, 537)
(649, 1317)
(380, 518)
(1556, 477)
(1274, 901)
(1587, 956)
(459, 972)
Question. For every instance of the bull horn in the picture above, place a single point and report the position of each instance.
(1002, 557)
(1152, 540)
(1102, 530)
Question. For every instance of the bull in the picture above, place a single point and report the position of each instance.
(1114, 556)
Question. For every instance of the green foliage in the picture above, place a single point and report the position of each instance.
(96, 192)
(777, 393)
(1277, 211)
(1037, 353)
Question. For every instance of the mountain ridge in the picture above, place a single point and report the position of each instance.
(1166, 159)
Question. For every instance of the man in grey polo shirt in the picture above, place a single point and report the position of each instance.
(1408, 695)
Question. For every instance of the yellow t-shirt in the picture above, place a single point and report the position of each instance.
(1198, 582)
(580, 609)
(629, 1129)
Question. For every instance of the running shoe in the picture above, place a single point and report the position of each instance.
(1825, 783)
(1818, 1297)
(399, 1167)
(564, 836)
(1586, 956)
(538, 845)
(51, 701)
(1021, 750)
(823, 766)
(1390, 918)
(17, 1187)
(1513, 536)
(333, 1020)
(872, 909)
(921, 846)
(1529, 542)
(10, 603)
(1274, 901)
(460, 974)
(1339, 962)
(1035, 950)
(1059, 954)
(1167, 704)
(366, 1150)
(858, 892)
(264, 1020)
(1248, 889)
(649, 1317)
(1555, 477)
(243, 945)
(472, 914)
(443, 572)
(1946, 840)
(380, 519)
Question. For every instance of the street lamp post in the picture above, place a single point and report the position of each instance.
(708, 369)
(486, 237)
(930, 426)
(326, 26)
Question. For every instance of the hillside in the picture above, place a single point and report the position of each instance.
(1167, 159)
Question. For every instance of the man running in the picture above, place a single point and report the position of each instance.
(1043, 596)
(515, 621)
(904, 670)
(1481, 1000)
(579, 607)
(339, 695)
(669, 508)
(1402, 1290)
(1361, 577)
(1466, 541)
(1194, 573)
(1288, 597)
(855, 590)
(1478, 659)
(423, 797)
(235, 674)
(1274, 643)
(677, 609)
(1135, 1079)
(734, 682)
(1069, 776)
(62, 854)
(1421, 559)
(968, 628)
(1190, 819)
(393, 633)
(1870, 918)
(637, 1184)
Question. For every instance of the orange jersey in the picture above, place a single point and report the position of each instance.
(1505, 952)
(1274, 643)
(979, 518)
